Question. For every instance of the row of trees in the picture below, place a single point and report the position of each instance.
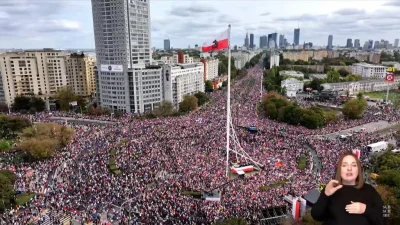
(278, 108)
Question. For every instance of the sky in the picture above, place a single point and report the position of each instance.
(69, 24)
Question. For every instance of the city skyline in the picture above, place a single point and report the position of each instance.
(69, 24)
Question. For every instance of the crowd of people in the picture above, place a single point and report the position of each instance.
(162, 158)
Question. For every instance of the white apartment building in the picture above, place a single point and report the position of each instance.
(210, 68)
(274, 61)
(43, 72)
(292, 73)
(366, 70)
(361, 86)
(320, 76)
(396, 65)
(292, 86)
(181, 80)
(169, 59)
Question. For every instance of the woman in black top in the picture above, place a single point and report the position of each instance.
(347, 200)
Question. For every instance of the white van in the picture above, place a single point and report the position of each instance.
(377, 147)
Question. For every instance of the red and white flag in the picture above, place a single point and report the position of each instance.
(389, 77)
(219, 43)
(357, 152)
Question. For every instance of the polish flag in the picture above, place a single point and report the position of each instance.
(219, 43)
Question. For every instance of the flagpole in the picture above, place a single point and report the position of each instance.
(228, 102)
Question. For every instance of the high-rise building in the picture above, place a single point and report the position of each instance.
(396, 43)
(282, 41)
(210, 68)
(330, 42)
(43, 72)
(263, 41)
(167, 45)
(296, 40)
(272, 40)
(246, 41)
(377, 45)
(349, 43)
(356, 43)
(251, 41)
(123, 49)
(371, 44)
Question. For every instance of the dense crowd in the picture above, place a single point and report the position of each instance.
(161, 158)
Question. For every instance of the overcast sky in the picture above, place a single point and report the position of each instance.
(68, 23)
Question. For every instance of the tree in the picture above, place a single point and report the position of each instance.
(188, 104)
(232, 221)
(11, 125)
(222, 69)
(37, 104)
(39, 149)
(355, 108)
(343, 72)
(360, 96)
(208, 86)
(164, 109)
(28, 103)
(201, 98)
(7, 180)
(65, 96)
(333, 76)
(3, 108)
(352, 77)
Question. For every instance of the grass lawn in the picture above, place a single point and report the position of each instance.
(274, 185)
(302, 163)
(393, 94)
(22, 199)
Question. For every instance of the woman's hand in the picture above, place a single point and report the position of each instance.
(356, 208)
(330, 189)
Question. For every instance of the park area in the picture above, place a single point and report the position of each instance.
(393, 95)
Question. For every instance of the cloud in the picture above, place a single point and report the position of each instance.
(265, 14)
(393, 3)
(226, 19)
(59, 26)
(192, 10)
(303, 17)
(348, 11)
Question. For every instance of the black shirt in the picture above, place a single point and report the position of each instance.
(332, 209)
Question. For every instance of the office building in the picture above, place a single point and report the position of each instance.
(396, 43)
(167, 45)
(123, 49)
(357, 43)
(251, 41)
(366, 70)
(349, 43)
(330, 42)
(273, 61)
(210, 68)
(246, 41)
(272, 40)
(181, 80)
(371, 43)
(282, 43)
(296, 40)
(377, 45)
(263, 41)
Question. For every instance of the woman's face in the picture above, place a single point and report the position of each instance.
(349, 170)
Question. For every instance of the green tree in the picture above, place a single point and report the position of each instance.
(315, 84)
(65, 96)
(360, 96)
(9, 125)
(232, 221)
(3, 108)
(352, 77)
(222, 69)
(21, 103)
(188, 104)
(355, 108)
(201, 98)
(311, 119)
(39, 149)
(343, 72)
(333, 76)
(7, 180)
(164, 109)
(208, 86)
(37, 104)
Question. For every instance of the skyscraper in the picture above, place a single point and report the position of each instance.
(330, 42)
(296, 40)
(263, 41)
(123, 51)
(167, 45)
(396, 43)
(272, 40)
(251, 41)
(371, 44)
(246, 41)
(281, 41)
(349, 43)
(357, 43)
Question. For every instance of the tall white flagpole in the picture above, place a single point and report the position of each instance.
(228, 102)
